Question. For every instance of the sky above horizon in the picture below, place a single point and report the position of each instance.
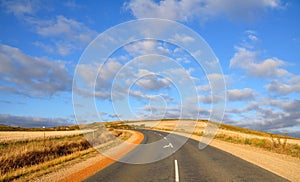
(256, 42)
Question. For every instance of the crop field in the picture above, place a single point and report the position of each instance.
(26, 153)
(31, 135)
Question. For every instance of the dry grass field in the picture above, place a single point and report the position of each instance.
(271, 142)
(279, 154)
(32, 135)
(24, 153)
(28, 154)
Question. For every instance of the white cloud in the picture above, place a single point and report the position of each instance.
(115, 116)
(190, 110)
(281, 88)
(141, 47)
(108, 72)
(250, 39)
(278, 120)
(145, 47)
(240, 95)
(203, 88)
(250, 106)
(242, 10)
(150, 81)
(185, 10)
(217, 81)
(249, 61)
(215, 77)
(140, 95)
(183, 38)
(30, 121)
(72, 5)
(209, 99)
(121, 80)
(20, 8)
(62, 26)
(87, 93)
(153, 83)
(32, 76)
(267, 115)
(169, 9)
(66, 34)
(46, 47)
(99, 77)
(153, 97)
(253, 37)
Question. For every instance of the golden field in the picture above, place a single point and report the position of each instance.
(29, 154)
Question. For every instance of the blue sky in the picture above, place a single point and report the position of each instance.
(256, 42)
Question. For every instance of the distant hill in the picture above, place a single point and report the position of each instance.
(4, 127)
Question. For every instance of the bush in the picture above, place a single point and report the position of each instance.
(20, 155)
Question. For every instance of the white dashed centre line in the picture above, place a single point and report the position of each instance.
(176, 172)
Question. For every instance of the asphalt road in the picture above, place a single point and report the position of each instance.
(188, 163)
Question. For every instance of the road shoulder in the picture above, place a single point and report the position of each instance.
(283, 165)
(90, 166)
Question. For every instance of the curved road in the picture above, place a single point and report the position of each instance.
(188, 163)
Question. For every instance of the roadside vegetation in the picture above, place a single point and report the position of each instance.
(271, 142)
(253, 132)
(58, 128)
(18, 156)
(24, 159)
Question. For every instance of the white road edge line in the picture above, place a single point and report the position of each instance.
(176, 172)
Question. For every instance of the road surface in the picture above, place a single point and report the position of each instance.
(188, 163)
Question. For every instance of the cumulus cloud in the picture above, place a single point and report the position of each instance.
(153, 83)
(270, 115)
(29, 121)
(203, 88)
(276, 120)
(150, 97)
(101, 77)
(217, 82)
(183, 38)
(97, 79)
(117, 116)
(283, 88)
(250, 106)
(101, 74)
(175, 112)
(31, 76)
(245, 94)
(240, 95)
(150, 81)
(64, 27)
(20, 8)
(249, 62)
(186, 10)
(145, 47)
(209, 99)
(250, 39)
(66, 34)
